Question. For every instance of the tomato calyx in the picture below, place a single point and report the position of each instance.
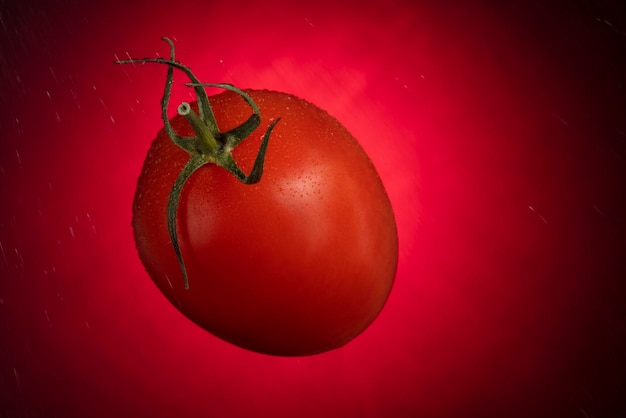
(209, 145)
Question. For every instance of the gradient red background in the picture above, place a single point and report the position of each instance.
(499, 131)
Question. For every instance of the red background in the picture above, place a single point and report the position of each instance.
(499, 131)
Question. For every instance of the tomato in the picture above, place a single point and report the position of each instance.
(296, 264)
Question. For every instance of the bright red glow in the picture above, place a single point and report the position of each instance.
(493, 131)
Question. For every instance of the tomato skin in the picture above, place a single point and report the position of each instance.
(297, 264)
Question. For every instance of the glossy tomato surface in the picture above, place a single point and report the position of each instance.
(496, 127)
(298, 263)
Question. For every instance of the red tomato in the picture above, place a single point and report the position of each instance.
(297, 264)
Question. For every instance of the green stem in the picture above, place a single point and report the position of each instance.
(209, 145)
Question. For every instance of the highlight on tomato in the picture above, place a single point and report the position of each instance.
(295, 258)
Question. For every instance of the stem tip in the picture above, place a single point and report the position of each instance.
(184, 109)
